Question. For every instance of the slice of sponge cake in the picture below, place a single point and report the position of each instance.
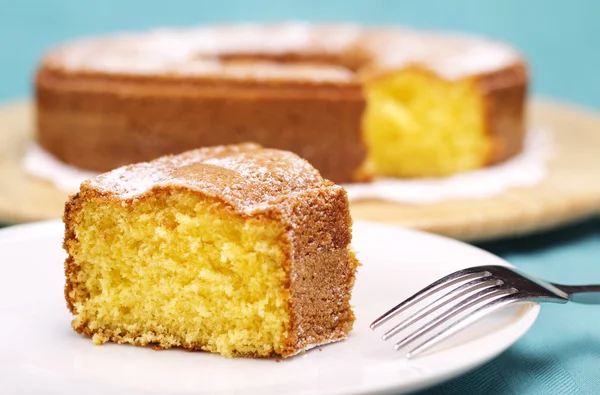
(236, 250)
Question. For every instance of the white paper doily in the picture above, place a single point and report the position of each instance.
(41, 164)
(526, 169)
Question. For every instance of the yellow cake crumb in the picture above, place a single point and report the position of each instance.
(177, 263)
(419, 125)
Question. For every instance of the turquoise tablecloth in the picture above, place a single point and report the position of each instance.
(561, 353)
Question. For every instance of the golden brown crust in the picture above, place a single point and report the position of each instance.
(505, 94)
(247, 177)
(141, 341)
(71, 205)
(151, 118)
(321, 308)
(313, 212)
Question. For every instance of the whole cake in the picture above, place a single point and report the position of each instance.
(237, 250)
(353, 101)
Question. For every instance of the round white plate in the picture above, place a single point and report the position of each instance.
(40, 353)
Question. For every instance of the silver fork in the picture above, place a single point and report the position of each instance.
(475, 292)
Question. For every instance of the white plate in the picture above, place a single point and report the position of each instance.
(40, 353)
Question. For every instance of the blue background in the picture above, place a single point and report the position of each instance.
(559, 37)
(561, 354)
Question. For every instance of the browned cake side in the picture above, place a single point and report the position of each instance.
(505, 97)
(246, 182)
(101, 122)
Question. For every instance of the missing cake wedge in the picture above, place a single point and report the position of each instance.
(236, 250)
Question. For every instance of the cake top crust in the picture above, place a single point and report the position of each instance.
(246, 176)
(204, 52)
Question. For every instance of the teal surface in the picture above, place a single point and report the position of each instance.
(561, 354)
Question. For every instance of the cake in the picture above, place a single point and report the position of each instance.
(237, 250)
(355, 101)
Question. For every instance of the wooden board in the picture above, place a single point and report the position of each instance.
(571, 192)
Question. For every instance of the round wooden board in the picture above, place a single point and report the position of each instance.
(570, 193)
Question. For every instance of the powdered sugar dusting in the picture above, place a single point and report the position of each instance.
(246, 176)
(197, 52)
(265, 71)
(450, 55)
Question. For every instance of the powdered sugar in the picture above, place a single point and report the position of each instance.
(264, 71)
(245, 176)
(196, 52)
(450, 55)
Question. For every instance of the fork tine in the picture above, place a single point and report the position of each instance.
(443, 283)
(481, 296)
(456, 293)
(463, 323)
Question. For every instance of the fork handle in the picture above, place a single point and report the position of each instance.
(585, 294)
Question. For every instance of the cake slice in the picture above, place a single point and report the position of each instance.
(236, 250)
